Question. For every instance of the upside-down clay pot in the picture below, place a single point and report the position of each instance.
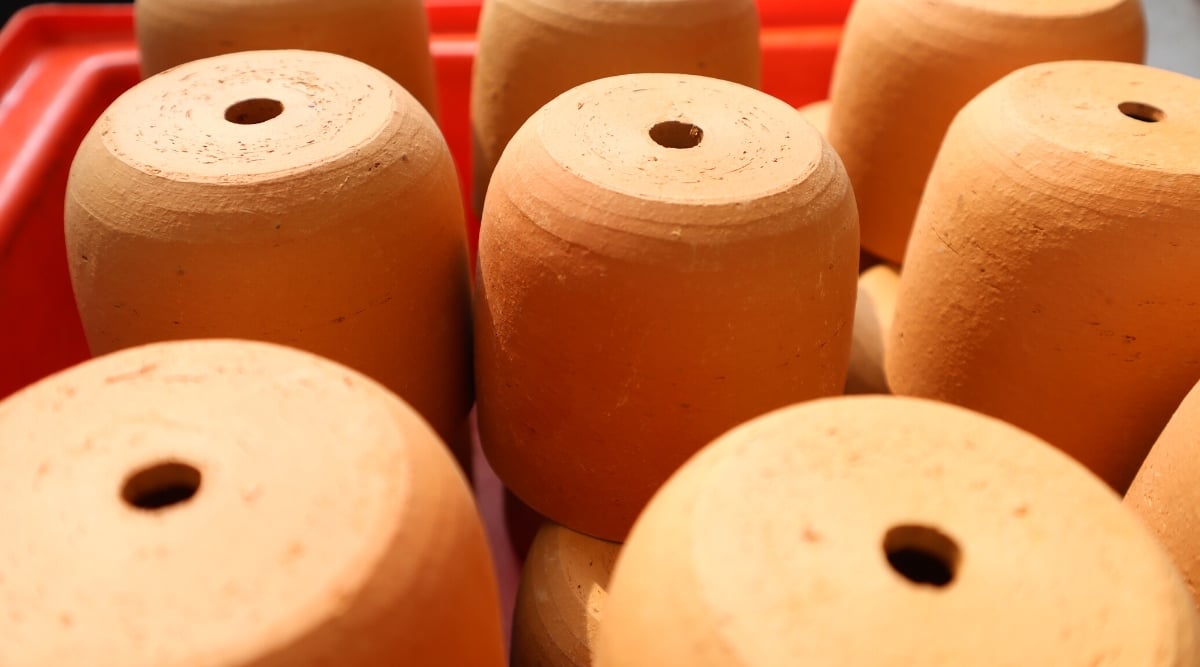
(530, 51)
(905, 68)
(296, 197)
(875, 530)
(227, 503)
(662, 257)
(817, 113)
(391, 35)
(561, 598)
(873, 313)
(1165, 494)
(1051, 279)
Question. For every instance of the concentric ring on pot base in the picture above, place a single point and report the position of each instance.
(560, 603)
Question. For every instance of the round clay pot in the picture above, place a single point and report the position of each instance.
(663, 257)
(876, 530)
(227, 503)
(817, 113)
(531, 51)
(289, 196)
(904, 69)
(1165, 494)
(391, 35)
(873, 313)
(561, 599)
(1052, 271)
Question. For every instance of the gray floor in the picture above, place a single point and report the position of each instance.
(1174, 35)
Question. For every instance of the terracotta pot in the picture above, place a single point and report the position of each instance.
(531, 51)
(391, 35)
(873, 313)
(289, 196)
(561, 599)
(877, 530)
(817, 113)
(238, 504)
(904, 69)
(663, 256)
(1164, 492)
(1052, 271)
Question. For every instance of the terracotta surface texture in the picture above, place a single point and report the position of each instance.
(561, 599)
(391, 35)
(1052, 275)
(877, 530)
(817, 113)
(637, 298)
(904, 69)
(1165, 493)
(226, 503)
(531, 51)
(873, 313)
(290, 196)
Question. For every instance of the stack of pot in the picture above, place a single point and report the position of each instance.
(268, 460)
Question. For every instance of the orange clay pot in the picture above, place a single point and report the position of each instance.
(1165, 494)
(817, 113)
(1051, 279)
(561, 599)
(233, 504)
(391, 35)
(663, 256)
(873, 313)
(886, 531)
(531, 51)
(288, 196)
(905, 68)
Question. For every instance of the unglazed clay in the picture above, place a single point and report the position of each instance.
(905, 68)
(530, 51)
(1165, 492)
(877, 530)
(817, 113)
(561, 599)
(1052, 275)
(234, 504)
(290, 196)
(873, 313)
(662, 257)
(391, 35)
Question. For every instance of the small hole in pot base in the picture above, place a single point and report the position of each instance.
(1141, 111)
(922, 555)
(253, 111)
(161, 485)
(674, 134)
